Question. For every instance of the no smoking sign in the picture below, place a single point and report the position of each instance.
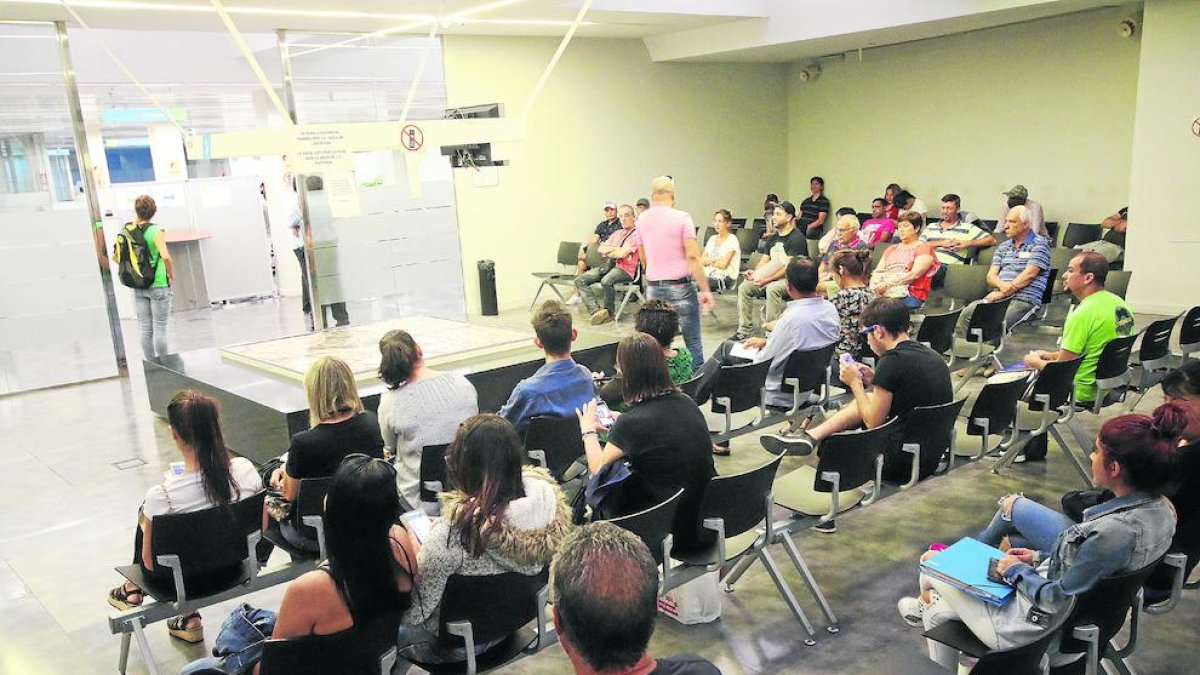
(411, 138)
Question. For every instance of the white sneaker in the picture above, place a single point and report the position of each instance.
(912, 610)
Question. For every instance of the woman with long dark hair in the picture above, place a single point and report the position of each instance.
(663, 435)
(502, 516)
(420, 407)
(1052, 558)
(368, 575)
(208, 476)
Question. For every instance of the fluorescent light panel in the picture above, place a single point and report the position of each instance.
(207, 9)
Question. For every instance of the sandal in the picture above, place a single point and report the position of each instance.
(121, 597)
(721, 450)
(177, 627)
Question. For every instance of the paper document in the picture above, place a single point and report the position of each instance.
(743, 352)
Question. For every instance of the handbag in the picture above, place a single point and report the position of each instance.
(241, 637)
(1074, 503)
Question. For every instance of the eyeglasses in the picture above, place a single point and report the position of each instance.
(867, 330)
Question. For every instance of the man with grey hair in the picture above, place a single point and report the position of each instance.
(605, 598)
(1020, 270)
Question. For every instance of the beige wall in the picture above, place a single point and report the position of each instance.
(607, 122)
(1164, 242)
(1048, 104)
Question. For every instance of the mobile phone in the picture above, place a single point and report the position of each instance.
(603, 414)
(418, 523)
(846, 359)
(993, 574)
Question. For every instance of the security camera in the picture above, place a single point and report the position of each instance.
(810, 73)
(1127, 28)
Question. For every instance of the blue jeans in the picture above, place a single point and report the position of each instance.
(686, 301)
(912, 302)
(153, 307)
(1031, 526)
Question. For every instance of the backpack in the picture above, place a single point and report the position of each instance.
(132, 255)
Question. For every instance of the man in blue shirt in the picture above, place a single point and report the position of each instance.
(1020, 271)
(559, 387)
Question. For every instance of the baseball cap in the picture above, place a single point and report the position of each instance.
(788, 207)
(643, 202)
(610, 205)
(1017, 192)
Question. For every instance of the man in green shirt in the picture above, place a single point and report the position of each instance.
(1100, 317)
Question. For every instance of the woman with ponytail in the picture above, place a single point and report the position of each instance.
(1049, 557)
(849, 270)
(502, 517)
(420, 407)
(208, 476)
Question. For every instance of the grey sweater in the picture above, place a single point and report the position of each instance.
(425, 412)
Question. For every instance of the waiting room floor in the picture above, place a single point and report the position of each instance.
(76, 461)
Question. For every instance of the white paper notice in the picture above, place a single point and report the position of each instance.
(343, 196)
(741, 351)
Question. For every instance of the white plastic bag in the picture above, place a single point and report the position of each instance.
(697, 601)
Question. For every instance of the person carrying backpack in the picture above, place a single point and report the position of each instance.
(144, 264)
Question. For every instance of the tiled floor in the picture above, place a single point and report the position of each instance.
(75, 462)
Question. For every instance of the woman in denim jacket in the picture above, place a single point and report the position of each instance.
(1052, 558)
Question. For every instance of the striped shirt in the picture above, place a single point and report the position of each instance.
(810, 210)
(1012, 259)
(965, 229)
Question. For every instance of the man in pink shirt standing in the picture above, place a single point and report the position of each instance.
(621, 265)
(667, 239)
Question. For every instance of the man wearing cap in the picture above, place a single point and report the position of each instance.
(666, 238)
(604, 230)
(640, 207)
(768, 279)
(1018, 195)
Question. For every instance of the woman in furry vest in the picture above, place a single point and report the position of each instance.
(502, 517)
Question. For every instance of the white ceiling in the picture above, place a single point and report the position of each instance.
(674, 30)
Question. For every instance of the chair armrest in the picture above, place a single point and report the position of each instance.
(978, 333)
(1089, 634)
(463, 630)
(1178, 563)
(717, 525)
(794, 383)
(543, 599)
(985, 423)
(172, 561)
(667, 543)
(317, 523)
(913, 449)
(876, 483)
(1048, 415)
(538, 456)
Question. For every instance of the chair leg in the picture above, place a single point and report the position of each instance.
(139, 632)
(971, 370)
(1083, 473)
(123, 661)
(1011, 452)
(1116, 665)
(809, 580)
(738, 570)
(788, 596)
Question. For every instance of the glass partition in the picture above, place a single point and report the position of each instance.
(396, 252)
(54, 322)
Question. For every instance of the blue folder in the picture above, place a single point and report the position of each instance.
(964, 566)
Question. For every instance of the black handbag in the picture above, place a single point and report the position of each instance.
(1074, 503)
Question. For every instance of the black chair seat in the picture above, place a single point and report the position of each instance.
(549, 276)
(165, 592)
(491, 659)
(956, 635)
(274, 534)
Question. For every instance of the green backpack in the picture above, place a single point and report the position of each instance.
(135, 266)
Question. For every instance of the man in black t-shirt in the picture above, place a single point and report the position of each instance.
(814, 210)
(606, 602)
(603, 231)
(908, 375)
(767, 280)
